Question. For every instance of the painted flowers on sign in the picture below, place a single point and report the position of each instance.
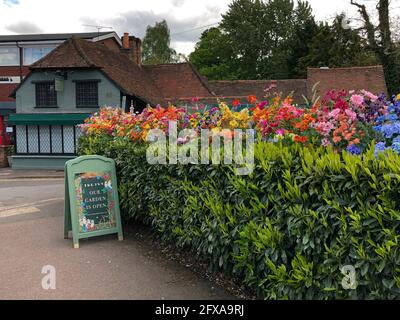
(94, 202)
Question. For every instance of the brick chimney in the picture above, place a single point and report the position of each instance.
(132, 46)
(125, 41)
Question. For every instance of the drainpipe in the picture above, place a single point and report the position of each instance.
(20, 61)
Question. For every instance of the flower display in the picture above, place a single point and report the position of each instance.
(343, 120)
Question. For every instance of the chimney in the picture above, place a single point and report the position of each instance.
(138, 51)
(125, 40)
(132, 46)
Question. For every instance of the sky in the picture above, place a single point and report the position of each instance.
(186, 18)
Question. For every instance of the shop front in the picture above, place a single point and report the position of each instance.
(45, 141)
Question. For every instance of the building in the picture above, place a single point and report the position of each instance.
(18, 52)
(74, 80)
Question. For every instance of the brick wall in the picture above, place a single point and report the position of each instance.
(245, 88)
(6, 89)
(111, 44)
(3, 157)
(356, 78)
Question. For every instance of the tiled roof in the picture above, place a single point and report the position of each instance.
(178, 81)
(79, 53)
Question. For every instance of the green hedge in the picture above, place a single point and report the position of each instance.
(287, 229)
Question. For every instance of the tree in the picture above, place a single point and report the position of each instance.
(156, 45)
(257, 40)
(213, 56)
(304, 30)
(380, 41)
(335, 46)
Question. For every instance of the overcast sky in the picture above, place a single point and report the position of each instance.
(186, 18)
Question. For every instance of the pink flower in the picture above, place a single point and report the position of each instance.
(352, 115)
(280, 132)
(369, 95)
(334, 114)
(357, 100)
(326, 142)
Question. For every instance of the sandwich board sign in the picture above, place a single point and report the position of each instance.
(91, 205)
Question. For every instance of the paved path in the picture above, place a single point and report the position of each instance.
(31, 236)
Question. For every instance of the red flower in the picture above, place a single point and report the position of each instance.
(236, 103)
(300, 139)
(252, 99)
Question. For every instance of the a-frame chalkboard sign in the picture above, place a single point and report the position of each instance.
(91, 205)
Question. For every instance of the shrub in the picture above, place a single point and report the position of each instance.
(287, 229)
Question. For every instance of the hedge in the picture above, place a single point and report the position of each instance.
(287, 229)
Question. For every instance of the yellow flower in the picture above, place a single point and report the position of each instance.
(398, 97)
(233, 124)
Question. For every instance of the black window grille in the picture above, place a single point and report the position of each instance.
(87, 94)
(46, 95)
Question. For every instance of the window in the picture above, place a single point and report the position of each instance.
(87, 94)
(33, 54)
(46, 95)
(9, 56)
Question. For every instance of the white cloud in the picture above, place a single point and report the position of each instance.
(54, 16)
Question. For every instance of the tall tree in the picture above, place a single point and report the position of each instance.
(335, 46)
(256, 40)
(380, 41)
(304, 30)
(156, 45)
(213, 56)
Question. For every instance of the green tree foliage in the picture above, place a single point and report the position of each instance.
(277, 39)
(213, 56)
(337, 46)
(156, 45)
(305, 29)
(380, 40)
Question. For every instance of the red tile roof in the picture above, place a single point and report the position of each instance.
(179, 81)
(79, 53)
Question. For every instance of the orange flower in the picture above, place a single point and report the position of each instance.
(300, 139)
(252, 99)
(337, 139)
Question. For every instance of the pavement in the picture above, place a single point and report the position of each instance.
(8, 173)
(31, 239)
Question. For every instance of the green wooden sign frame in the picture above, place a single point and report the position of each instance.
(98, 175)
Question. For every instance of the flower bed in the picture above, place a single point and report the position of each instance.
(341, 120)
(311, 206)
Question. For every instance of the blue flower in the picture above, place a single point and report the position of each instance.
(392, 117)
(381, 119)
(396, 147)
(378, 128)
(380, 147)
(389, 129)
(353, 149)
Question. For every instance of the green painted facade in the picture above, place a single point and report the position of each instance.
(109, 94)
(34, 124)
(40, 162)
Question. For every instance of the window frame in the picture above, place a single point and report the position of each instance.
(45, 106)
(18, 53)
(78, 102)
(33, 47)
